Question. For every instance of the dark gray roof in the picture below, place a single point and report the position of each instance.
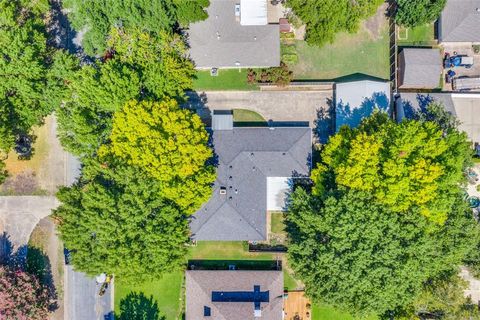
(201, 284)
(460, 21)
(421, 68)
(250, 46)
(246, 157)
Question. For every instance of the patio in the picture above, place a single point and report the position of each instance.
(297, 306)
(467, 50)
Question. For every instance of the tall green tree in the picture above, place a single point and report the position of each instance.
(139, 67)
(413, 13)
(406, 165)
(97, 17)
(168, 143)
(32, 74)
(359, 255)
(325, 18)
(115, 220)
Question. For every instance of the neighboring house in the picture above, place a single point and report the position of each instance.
(466, 107)
(420, 68)
(235, 34)
(234, 295)
(254, 175)
(460, 22)
(358, 99)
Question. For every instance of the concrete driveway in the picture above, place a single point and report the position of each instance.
(282, 106)
(82, 301)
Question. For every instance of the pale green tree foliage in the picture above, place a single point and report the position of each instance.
(169, 144)
(411, 164)
(140, 67)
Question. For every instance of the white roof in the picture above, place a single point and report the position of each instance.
(278, 189)
(253, 12)
(358, 99)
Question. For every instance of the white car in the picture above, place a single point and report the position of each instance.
(237, 10)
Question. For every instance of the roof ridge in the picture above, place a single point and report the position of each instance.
(295, 143)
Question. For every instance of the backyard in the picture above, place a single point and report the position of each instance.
(417, 36)
(350, 55)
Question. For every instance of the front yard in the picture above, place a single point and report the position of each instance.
(227, 79)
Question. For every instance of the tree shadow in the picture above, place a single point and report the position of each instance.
(39, 265)
(353, 115)
(325, 122)
(136, 306)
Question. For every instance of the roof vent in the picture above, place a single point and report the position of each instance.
(223, 190)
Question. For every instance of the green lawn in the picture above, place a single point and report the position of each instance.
(278, 219)
(326, 312)
(244, 115)
(227, 79)
(417, 36)
(349, 55)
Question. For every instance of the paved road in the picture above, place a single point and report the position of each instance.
(82, 301)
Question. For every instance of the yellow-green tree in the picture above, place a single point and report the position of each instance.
(411, 164)
(168, 143)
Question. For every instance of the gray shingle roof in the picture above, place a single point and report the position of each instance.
(246, 157)
(251, 46)
(201, 284)
(421, 68)
(460, 21)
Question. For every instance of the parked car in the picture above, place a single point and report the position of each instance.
(458, 61)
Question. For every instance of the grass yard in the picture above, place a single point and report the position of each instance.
(326, 312)
(417, 36)
(227, 79)
(248, 118)
(166, 292)
(349, 55)
(278, 219)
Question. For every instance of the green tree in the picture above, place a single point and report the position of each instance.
(3, 172)
(115, 220)
(141, 67)
(98, 17)
(325, 18)
(356, 254)
(32, 85)
(413, 13)
(406, 165)
(169, 144)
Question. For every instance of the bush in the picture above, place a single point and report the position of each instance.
(289, 59)
(280, 76)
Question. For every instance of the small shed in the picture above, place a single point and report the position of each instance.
(420, 68)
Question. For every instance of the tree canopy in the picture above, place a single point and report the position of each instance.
(139, 67)
(115, 220)
(22, 296)
(32, 73)
(325, 18)
(356, 254)
(170, 144)
(413, 13)
(406, 165)
(97, 17)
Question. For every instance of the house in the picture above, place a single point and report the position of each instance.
(358, 99)
(234, 295)
(466, 107)
(235, 34)
(420, 68)
(460, 22)
(255, 171)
